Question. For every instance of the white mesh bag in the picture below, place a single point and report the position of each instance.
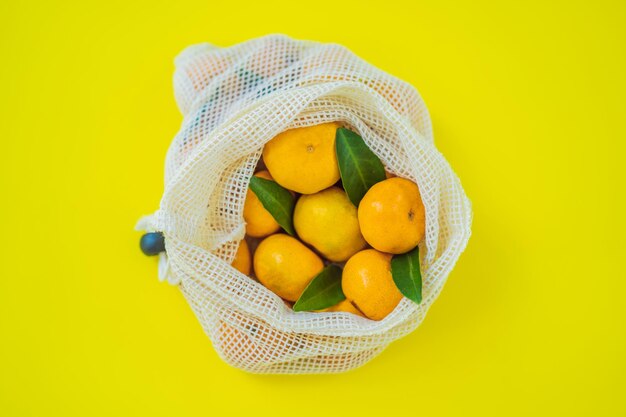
(233, 101)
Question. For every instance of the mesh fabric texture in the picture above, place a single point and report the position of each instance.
(233, 101)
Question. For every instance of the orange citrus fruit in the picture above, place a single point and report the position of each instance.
(285, 266)
(367, 283)
(344, 306)
(259, 221)
(304, 159)
(242, 258)
(391, 216)
(328, 221)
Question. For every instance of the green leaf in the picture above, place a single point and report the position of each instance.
(360, 168)
(277, 200)
(406, 273)
(324, 291)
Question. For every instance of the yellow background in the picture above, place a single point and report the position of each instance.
(528, 105)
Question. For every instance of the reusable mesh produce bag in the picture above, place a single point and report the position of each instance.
(233, 101)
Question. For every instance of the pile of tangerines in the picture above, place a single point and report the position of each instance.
(330, 228)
